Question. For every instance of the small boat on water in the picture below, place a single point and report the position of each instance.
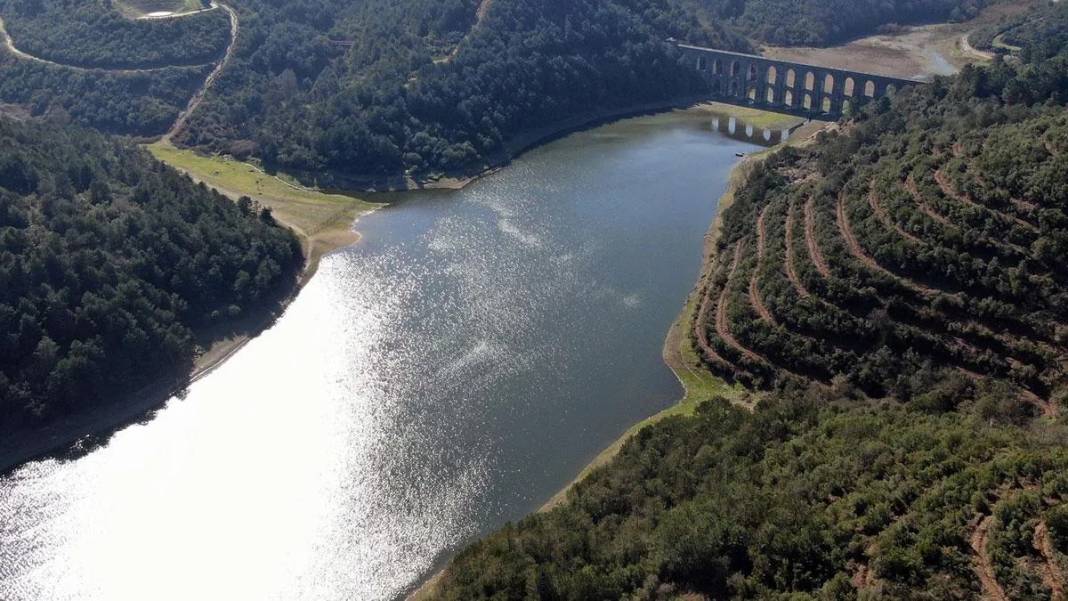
(739, 154)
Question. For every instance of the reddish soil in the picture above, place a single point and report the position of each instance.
(723, 329)
(880, 212)
(483, 10)
(791, 269)
(754, 289)
(947, 188)
(1047, 408)
(810, 240)
(858, 252)
(198, 98)
(1052, 574)
(700, 330)
(758, 302)
(983, 566)
(910, 185)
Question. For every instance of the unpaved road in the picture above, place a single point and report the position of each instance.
(810, 240)
(983, 566)
(791, 269)
(198, 98)
(10, 45)
(754, 285)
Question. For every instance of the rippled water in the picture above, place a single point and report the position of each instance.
(445, 375)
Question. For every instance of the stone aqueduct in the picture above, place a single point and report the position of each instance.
(785, 86)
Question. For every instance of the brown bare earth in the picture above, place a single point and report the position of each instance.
(791, 269)
(723, 326)
(910, 185)
(754, 287)
(984, 568)
(858, 252)
(1052, 575)
(916, 52)
(810, 240)
(198, 98)
(947, 188)
(700, 327)
(880, 212)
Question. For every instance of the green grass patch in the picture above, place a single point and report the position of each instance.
(757, 118)
(309, 211)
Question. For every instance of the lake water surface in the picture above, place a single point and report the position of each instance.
(445, 375)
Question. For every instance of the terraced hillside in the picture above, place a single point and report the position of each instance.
(894, 296)
(924, 239)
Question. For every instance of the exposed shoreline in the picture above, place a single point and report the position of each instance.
(697, 387)
(522, 144)
(67, 435)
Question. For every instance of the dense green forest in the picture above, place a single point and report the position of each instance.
(402, 100)
(373, 88)
(97, 34)
(897, 292)
(141, 103)
(111, 264)
(801, 499)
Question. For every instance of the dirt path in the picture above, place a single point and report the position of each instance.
(810, 240)
(1052, 575)
(983, 566)
(480, 16)
(754, 289)
(971, 51)
(791, 269)
(700, 330)
(194, 102)
(723, 329)
(9, 44)
(950, 191)
(197, 98)
(176, 15)
(858, 252)
(884, 217)
(921, 203)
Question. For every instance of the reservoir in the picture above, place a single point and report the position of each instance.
(447, 374)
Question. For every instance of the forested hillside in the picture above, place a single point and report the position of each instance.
(430, 92)
(373, 88)
(930, 233)
(110, 266)
(97, 34)
(798, 500)
(895, 295)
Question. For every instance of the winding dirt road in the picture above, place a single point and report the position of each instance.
(951, 192)
(921, 203)
(9, 44)
(984, 567)
(198, 98)
(1052, 574)
(480, 16)
(723, 329)
(884, 217)
(700, 327)
(791, 269)
(810, 240)
(754, 285)
(858, 252)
